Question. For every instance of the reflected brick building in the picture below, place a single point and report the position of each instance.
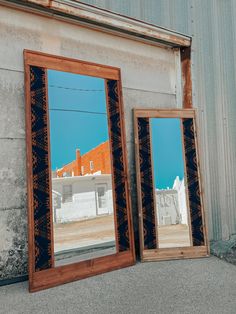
(97, 160)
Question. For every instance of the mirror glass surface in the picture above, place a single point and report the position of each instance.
(82, 200)
(169, 181)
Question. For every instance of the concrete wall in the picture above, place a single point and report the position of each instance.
(149, 78)
(167, 207)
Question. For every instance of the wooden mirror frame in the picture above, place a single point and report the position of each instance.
(145, 187)
(42, 272)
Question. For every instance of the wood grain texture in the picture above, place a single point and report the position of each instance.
(175, 253)
(124, 257)
(168, 253)
(58, 63)
(29, 169)
(63, 274)
(185, 54)
(164, 113)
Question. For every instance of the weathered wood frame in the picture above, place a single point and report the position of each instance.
(58, 275)
(168, 253)
(185, 56)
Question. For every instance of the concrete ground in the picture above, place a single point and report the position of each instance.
(186, 286)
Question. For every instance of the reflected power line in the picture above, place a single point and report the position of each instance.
(78, 111)
(78, 89)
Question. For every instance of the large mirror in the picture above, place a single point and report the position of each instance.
(172, 222)
(82, 196)
(78, 193)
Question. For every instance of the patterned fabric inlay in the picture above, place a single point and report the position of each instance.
(193, 182)
(148, 211)
(118, 166)
(41, 197)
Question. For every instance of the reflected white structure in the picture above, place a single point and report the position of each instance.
(172, 216)
(81, 197)
(83, 218)
(171, 204)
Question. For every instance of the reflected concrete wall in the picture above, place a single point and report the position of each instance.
(84, 202)
(171, 204)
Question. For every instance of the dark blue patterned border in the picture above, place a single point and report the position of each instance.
(114, 117)
(193, 182)
(148, 209)
(40, 161)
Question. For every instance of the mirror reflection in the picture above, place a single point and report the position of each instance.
(169, 179)
(83, 219)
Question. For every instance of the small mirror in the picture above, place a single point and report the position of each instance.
(170, 200)
(173, 229)
(82, 196)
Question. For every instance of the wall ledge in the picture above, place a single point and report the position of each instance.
(105, 20)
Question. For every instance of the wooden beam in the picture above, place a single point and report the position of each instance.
(164, 113)
(63, 274)
(185, 54)
(59, 63)
(175, 253)
(107, 21)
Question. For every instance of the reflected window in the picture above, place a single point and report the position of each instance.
(67, 193)
(101, 196)
(91, 165)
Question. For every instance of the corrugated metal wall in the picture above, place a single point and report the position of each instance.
(212, 25)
